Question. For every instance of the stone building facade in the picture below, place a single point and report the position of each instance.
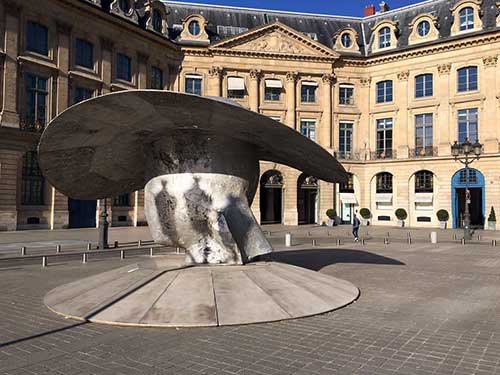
(387, 93)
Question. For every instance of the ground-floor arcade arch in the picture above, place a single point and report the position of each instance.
(271, 197)
(307, 199)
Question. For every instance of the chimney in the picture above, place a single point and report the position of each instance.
(369, 10)
(384, 7)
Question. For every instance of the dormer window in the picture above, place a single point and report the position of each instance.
(384, 37)
(346, 40)
(466, 19)
(423, 28)
(194, 28)
(157, 21)
(124, 5)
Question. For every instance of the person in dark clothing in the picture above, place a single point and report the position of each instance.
(355, 228)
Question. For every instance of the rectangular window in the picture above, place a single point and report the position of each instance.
(32, 187)
(384, 138)
(423, 134)
(35, 109)
(467, 79)
(384, 92)
(308, 129)
(156, 78)
(235, 87)
(193, 85)
(84, 54)
(308, 92)
(272, 94)
(37, 38)
(124, 68)
(423, 86)
(81, 94)
(345, 140)
(346, 95)
(122, 200)
(468, 125)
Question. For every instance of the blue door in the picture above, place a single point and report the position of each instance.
(82, 213)
(475, 181)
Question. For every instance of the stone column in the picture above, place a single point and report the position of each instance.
(291, 118)
(364, 133)
(215, 81)
(142, 71)
(488, 117)
(9, 115)
(254, 92)
(325, 137)
(401, 142)
(107, 65)
(445, 131)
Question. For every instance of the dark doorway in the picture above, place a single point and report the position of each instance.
(475, 207)
(307, 197)
(82, 213)
(271, 198)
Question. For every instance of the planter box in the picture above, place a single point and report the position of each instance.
(330, 222)
(401, 223)
(365, 222)
(492, 225)
(442, 224)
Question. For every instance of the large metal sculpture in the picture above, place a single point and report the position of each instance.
(198, 159)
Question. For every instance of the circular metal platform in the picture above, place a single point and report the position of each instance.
(162, 293)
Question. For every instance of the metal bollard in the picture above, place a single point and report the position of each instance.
(177, 250)
(386, 241)
(388, 234)
(150, 251)
(139, 243)
(116, 244)
(23, 251)
(309, 234)
(338, 242)
(363, 241)
(89, 246)
(463, 241)
(328, 233)
(58, 249)
(84, 258)
(454, 236)
(122, 254)
(288, 239)
(493, 242)
(314, 243)
(479, 237)
(409, 240)
(44, 261)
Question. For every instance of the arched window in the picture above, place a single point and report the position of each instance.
(384, 37)
(466, 19)
(424, 182)
(346, 40)
(423, 28)
(384, 183)
(157, 21)
(194, 28)
(348, 187)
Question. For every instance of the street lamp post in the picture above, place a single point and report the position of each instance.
(471, 152)
(103, 226)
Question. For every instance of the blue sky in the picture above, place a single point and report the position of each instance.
(335, 7)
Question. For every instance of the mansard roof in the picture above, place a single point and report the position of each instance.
(323, 27)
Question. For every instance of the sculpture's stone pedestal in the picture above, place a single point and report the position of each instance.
(159, 293)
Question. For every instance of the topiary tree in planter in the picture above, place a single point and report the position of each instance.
(332, 214)
(401, 215)
(443, 217)
(365, 215)
(492, 220)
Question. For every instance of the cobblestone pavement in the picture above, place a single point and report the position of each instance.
(423, 309)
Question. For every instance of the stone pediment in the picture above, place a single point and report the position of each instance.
(273, 40)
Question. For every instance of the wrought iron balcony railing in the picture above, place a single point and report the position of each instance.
(423, 152)
(342, 155)
(31, 126)
(383, 154)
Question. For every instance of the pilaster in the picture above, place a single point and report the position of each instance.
(142, 70)
(488, 134)
(291, 100)
(326, 133)
(215, 81)
(254, 94)
(444, 127)
(401, 143)
(107, 64)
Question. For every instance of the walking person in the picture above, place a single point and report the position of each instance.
(355, 228)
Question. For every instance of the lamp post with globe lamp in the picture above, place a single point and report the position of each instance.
(466, 153)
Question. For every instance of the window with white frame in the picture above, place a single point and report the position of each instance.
(384, 92)
(466, 17)
(235, 87)
(308, 91)
(467, 79)
(345, 140)
(273, 89)
(468, 125)
(384, 138)
(384, 37)
(423, 86)
(193, 84)
(346, 94)
(423, 134)
(308, 129)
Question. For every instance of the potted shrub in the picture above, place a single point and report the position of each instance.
(443, 217)
(365, 215)
(331, 213)
(492, 220)
(401, 215)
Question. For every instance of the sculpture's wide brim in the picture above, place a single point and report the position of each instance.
(95, 149)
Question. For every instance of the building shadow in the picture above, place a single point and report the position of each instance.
(316, 259)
